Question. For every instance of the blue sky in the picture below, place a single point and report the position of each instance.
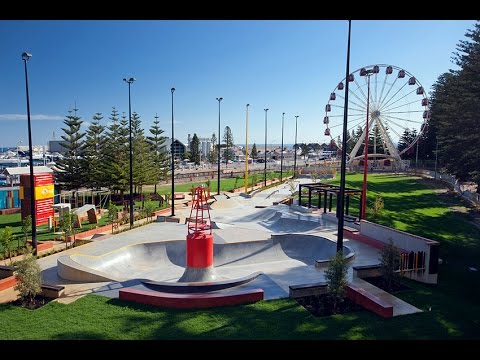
(286, 66)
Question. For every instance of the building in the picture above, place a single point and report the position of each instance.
(205, 148)
(179, 149)
(56, 146)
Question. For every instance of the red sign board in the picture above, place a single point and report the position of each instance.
(43, 210)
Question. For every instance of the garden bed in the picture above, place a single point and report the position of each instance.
(38, 302)
(322, 305)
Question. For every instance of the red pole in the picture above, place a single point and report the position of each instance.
(365, 166)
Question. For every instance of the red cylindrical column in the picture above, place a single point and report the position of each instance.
(199, 250)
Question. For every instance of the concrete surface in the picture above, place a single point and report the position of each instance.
(243, 245)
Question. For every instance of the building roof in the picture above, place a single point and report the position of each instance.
(26, 170)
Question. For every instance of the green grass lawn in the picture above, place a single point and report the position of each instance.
(226, 184)
(411, 204)
(15, 221)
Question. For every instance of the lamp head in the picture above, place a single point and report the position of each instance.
(219, 99)
(248, 105)
(26, 56)
(265, 110)
(129, 81)
(172, 89)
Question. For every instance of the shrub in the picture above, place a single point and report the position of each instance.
(336, 277)
(26, 227)
(390, 263)
(28, 276)
(6, 238)
(149, 209)
(112, 214)
(377, 208)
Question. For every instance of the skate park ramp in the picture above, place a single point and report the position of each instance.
(278, 219)
(165, 260)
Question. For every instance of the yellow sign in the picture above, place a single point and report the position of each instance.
(44, 192)
(20, 193)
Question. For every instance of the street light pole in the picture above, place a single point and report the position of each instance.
(265, 167)
(295, 150)
(218, 152)
(341, 195)
(18, 156)
(246, 150)
(416, 157)
(368, 73)
(173, 161)
(281, 152)
(25, 57)
(130, 82)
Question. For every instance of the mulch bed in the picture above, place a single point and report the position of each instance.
(38, 302)
(322, 305)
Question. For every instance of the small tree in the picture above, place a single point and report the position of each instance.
(6, 239)
(390, 262)
(67, 223)
(235, 183)
(26, 228)
(377, 208)
(254, 152)
(149, 209)
(112, 214)
(29, 279)
(292, 186)
(336, 276)
(254, 179)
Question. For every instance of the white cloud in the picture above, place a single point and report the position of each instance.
(17, 117)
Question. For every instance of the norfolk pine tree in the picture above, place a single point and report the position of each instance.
(161, 162)
(71, 168)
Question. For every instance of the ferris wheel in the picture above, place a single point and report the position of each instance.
(398, 112)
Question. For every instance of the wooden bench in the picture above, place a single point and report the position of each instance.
(350, 229)
(366, 271)
(191, 301)
(319, 288)
(6, 271)
(53, 291)
(349, 218)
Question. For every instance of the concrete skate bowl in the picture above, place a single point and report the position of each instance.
(165, 260)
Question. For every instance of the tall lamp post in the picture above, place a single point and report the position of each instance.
(368, 73)
(246, 150)
(18, 155)
(436, 158)
(295, 150)
(265, 167)
(344, 152)
(130, 82)
(173, 161)
(25, 57)
(281, 152)
(218, 151)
